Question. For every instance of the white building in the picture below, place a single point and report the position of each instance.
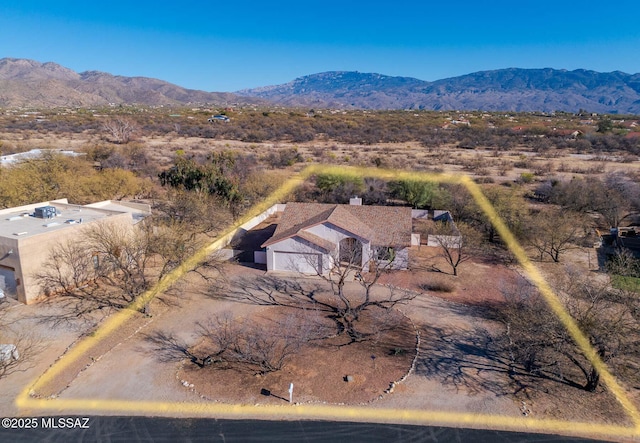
(27, 234)
(312, 236)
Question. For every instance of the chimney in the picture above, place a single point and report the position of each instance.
(355, 201)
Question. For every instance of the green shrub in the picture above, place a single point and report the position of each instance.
(526, 177)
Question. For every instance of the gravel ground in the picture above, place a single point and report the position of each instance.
(453, 372)
(135, 370)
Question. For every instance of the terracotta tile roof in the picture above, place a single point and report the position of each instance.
(381, 225)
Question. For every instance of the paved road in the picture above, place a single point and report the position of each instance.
(147, 429)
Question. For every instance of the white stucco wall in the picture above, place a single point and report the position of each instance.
(335, 235)
(400, 260)
(295, 250)
(326, 231)
(452, 241)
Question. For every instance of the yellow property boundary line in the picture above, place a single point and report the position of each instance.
(25, 402)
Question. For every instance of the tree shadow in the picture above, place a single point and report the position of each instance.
(71, 313)
(482, 310)
(166, 348)
(304, 295)
(476, 360)
(270, 290)
(433, 268)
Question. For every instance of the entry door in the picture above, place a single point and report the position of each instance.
(8, 281)
(351, 251)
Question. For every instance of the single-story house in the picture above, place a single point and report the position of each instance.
(312, 237)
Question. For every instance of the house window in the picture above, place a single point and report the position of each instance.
(385, 253)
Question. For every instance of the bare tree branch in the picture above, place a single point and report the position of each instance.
(18, 348)
(120, 129)
(539, 342)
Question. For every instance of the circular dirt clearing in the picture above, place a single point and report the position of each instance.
(331, 370)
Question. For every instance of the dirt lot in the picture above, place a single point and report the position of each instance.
(141, 368)
(331, 370)
(456, 368)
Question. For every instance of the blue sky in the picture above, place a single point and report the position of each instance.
(224, 45)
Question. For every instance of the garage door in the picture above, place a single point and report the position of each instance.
(306, 263)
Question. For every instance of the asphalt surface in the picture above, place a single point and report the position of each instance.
(153, 429)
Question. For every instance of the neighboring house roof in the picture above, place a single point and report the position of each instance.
(21, 222)
(381, 225)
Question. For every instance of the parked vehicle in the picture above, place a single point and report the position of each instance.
(219, 117)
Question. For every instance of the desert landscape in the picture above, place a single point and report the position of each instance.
(456, 341)
(319, 222)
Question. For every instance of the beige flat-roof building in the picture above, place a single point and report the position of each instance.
(28, 233)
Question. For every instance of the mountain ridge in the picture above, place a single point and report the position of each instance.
(30, 83)
(510, 89)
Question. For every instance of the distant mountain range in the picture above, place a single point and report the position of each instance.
(501, 90)
(34, 84)
(30, 83)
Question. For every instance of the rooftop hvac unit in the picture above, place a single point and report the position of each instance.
(45, 212)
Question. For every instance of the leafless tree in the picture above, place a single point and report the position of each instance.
(68, 267)
(264, 346)
(108, 265)
(196, 212)
(553, 232)
(19, 347)
(623, 263)
(121, 129)
(621, 197)
(538, 341)
(457, 244)
(348, 262)
(615, 198)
